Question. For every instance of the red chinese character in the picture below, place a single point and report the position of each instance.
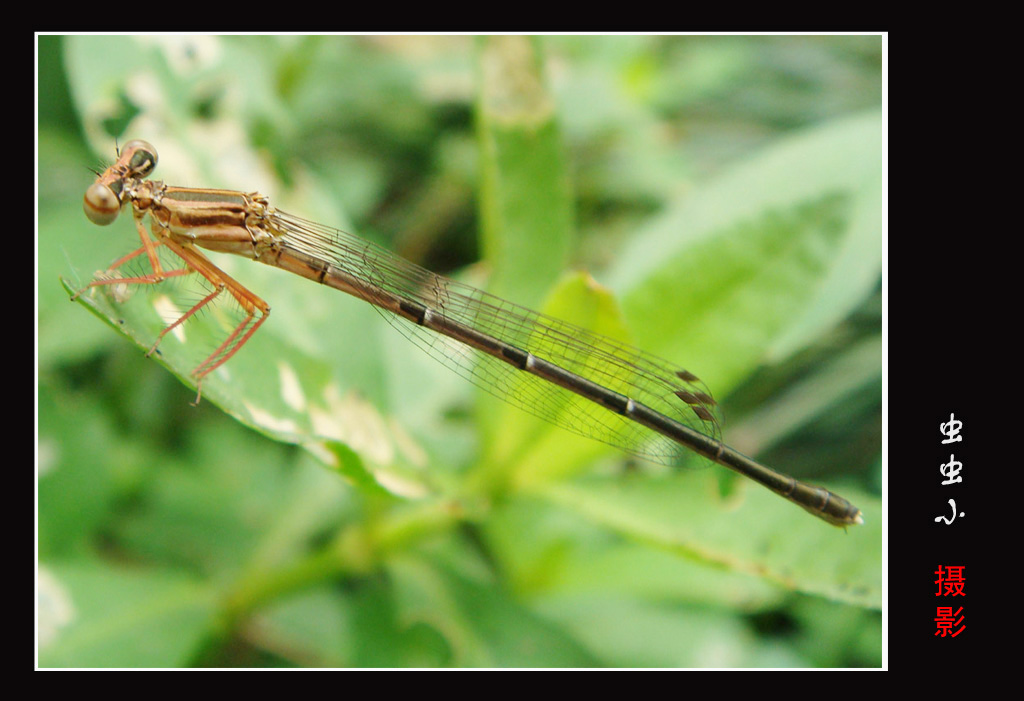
(952, 584)
(945, 619)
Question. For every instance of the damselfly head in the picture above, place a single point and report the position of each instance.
(104, 197)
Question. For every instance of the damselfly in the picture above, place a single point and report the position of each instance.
(590, 384)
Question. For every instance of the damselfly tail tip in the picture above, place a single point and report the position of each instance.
(855, 520)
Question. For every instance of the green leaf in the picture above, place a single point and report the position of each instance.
(763, 259)
(295, 399)
(525, 200)
(755, 532)
(550, 551)
(483, 626)
(105, 617)
(662, 634)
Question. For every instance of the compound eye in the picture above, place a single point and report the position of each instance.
(101, 205)
(143, 157)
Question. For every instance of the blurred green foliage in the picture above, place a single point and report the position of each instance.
(726, 190)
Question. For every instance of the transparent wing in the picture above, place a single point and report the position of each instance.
(597, 359)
